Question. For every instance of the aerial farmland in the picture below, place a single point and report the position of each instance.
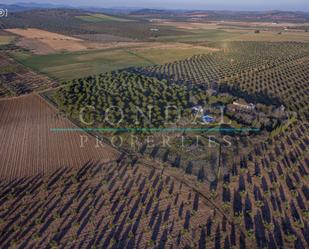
(153, 128)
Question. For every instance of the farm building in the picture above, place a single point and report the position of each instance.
(243, 105)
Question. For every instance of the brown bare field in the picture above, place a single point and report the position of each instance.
(44, 42)
(28, 147)
(41, 34)
(41, 41)
(174, 46)
(103, 38)
(189, 25)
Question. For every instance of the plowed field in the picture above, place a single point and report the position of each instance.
(28, 147)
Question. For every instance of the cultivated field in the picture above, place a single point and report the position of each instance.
(66, 66)
(226, 24)
(16, 79)
(44, 42)
(109, 205)
(237, 31)
(285, 36)
(247, 189)
(6, 39)
(203, 35)
(102, 18)
(232, 59)
(106, 38)
(28, 147)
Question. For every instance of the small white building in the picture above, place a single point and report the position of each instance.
(198, 109)
(243, 105)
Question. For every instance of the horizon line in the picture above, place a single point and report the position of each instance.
(69, 5)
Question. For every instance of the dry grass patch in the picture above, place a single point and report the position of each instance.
(44, 42)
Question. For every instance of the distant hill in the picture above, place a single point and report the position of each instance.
(19, 7)
(14, 8)
(204, 15)
(183, 15)
(156, 12)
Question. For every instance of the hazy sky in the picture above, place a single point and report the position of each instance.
(302, 5)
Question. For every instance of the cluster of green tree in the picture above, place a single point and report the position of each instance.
(122, 99)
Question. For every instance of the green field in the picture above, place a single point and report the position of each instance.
(272, 36)
(6, 39)
(66, 66)
(162, 56)
(102, 18)
(211, 35)
(216, 35)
